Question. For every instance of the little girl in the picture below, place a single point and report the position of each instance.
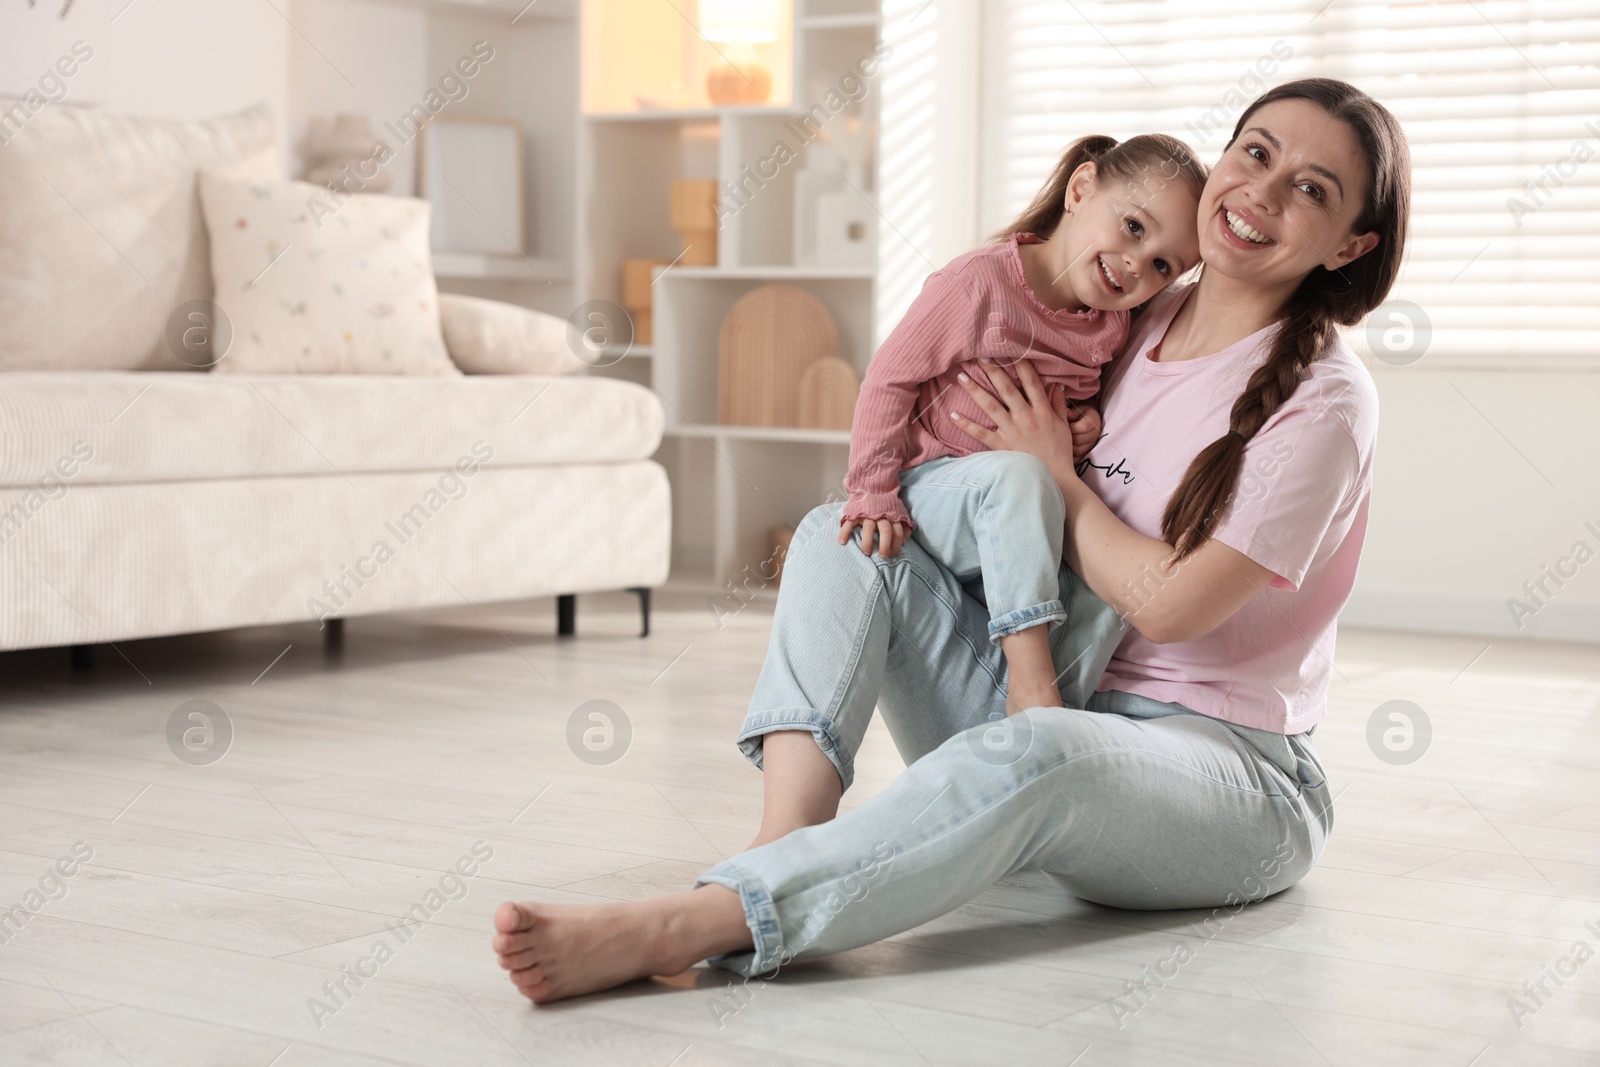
(1112, 227)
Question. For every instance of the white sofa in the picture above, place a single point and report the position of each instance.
(141, 498)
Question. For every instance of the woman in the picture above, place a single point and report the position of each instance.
(1221, 514)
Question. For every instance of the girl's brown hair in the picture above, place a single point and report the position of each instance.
(1147, 162)
(1325, 298)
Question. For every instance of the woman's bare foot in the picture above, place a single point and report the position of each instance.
(555, 951)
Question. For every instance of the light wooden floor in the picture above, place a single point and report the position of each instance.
(220, 898)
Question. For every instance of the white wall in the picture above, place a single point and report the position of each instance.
(170, 58)
(365, 56)
(1482, 478)
(196, 58)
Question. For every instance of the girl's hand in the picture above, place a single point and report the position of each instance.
(1085, 424)
(891, 535)
(1030, 419)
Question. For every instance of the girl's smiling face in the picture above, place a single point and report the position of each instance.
(1125, 242)
(1285, 196)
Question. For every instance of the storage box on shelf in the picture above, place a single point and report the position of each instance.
(731, 484)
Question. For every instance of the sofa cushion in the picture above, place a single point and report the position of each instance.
(321, 284)
(60, 430)
(491, 337)
(101, 241)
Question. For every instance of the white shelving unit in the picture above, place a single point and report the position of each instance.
(731, 484)
(599, 171)
(846, 21)
(521, 10)
(474, 265)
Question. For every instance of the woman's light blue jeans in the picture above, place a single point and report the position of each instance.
(1125, 801)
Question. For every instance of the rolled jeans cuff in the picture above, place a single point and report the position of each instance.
(757, 724)
(1051, 612)
(760, 914)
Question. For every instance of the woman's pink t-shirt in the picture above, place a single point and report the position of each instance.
(1299, 509)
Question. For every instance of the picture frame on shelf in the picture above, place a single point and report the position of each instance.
(471, 171)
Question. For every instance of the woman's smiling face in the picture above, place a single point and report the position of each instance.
(1284, 197)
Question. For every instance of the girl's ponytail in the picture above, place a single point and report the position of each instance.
(1146, 162)
(1050, 205)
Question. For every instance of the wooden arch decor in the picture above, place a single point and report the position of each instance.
(770, 337)
(828, 391)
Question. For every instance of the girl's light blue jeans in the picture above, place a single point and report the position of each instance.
(998, 515)
(1125, 801)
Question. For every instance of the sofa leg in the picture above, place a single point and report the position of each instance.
(644, 608)
(82, 657)
(566, 615)
(332, 637)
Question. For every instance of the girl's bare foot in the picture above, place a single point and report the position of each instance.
(557, 950)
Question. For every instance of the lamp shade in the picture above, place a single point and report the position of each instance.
(747, 21)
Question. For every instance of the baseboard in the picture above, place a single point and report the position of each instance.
(1470, 615)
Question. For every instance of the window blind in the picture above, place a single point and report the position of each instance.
(1500, 102)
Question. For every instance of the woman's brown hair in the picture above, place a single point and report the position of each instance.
(1146, 162)
(1324, 299)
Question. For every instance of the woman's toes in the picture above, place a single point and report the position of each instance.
(516, 961)
(530, 983)
(505, 944)
(511, 917)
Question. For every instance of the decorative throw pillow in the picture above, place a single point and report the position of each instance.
(490, 337)
(314, 284)
(101, 239)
